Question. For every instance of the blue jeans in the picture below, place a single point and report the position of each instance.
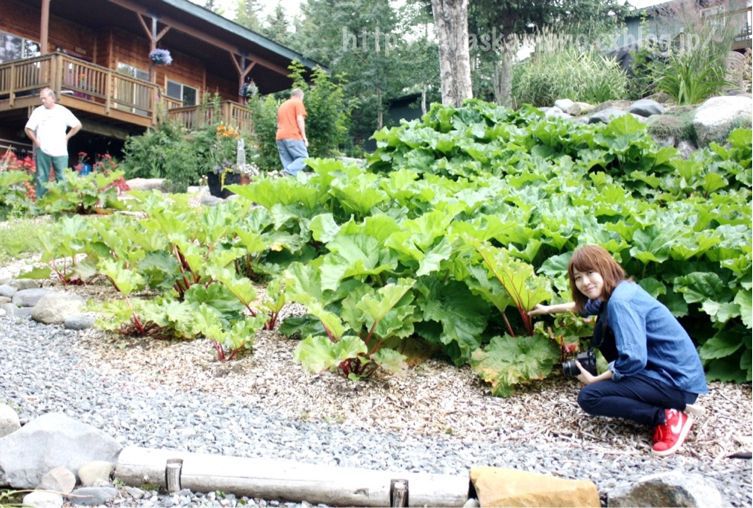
(636, 398)
(43, 163)
(293, 155)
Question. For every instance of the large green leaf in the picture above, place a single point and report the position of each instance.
(354, 256)
(125, 281)
(703, 286)
(463, 317)
(518, 279)
(510, 361)
(743, 299)
(317, 354)
(720, 345)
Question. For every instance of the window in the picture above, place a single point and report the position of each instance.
(13, 47)
(131, 96)
(132, 71)
(185, 93)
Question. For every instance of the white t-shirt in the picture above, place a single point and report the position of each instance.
(50, 126)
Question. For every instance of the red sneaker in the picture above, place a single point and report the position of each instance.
(669, 436)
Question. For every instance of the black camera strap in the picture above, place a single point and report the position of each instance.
(603, 338)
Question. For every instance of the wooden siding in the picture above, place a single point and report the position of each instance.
(95, 87)
(21, 19)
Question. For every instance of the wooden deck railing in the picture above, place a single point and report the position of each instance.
(106, 92)
(71, 77)
(193, 117)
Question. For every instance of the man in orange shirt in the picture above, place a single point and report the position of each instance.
(291, 133)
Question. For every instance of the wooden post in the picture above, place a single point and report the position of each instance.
(109, 87)
(44, 27)
(12, 95)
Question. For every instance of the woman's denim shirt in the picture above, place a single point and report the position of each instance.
(650, 341)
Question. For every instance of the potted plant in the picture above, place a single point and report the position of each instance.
(160, 56)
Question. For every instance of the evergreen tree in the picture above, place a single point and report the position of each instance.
(248, 13)
(277, 26)
(361, 42)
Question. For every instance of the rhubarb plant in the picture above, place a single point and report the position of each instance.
(363, 326)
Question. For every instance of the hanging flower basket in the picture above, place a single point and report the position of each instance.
(161, 57)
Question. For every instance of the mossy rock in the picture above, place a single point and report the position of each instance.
(677, 124)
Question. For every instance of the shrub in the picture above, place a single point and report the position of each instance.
(560, 69)
(327, 122)
(696, 66)
(328, 112)
(264, 114)
(181, 156)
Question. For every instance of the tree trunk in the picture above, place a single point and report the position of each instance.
(380, 112)
(503, 78)
(451, 22)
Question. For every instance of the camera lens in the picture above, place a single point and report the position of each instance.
(569, 369)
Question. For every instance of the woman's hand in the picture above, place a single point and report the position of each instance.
(539, 310)
(585, 377)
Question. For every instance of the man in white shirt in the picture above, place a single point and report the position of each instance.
(47, 128)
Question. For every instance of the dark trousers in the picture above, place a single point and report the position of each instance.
(636, 398)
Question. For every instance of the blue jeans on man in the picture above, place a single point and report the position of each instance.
(43, 163)
(293, 155)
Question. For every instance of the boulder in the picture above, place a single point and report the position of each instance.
(29, 297)
(9, 421)
(92, 496)
(555, 112)
(50, 441)
(646, 107)
(511, 487)
(567, 106)
(95, 473)
(55, 307)
(673, 488)
(606, 115)
(42, 499)
(146, 184)
(5, 299)
(59, 479)
(585, 107)
(716, 117)
(7, 290)
(79, 321)
(20, 284)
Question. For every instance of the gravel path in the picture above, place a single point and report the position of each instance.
(435, 418)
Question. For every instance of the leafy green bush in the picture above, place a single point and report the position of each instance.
(181, 156)
(559, 70)
(14, 200)
(82, 194)
(163, 152)
(697, 64)
(328, 118)
(264, 116)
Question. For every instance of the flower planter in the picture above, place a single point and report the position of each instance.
(215, 183)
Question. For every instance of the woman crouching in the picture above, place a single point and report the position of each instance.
(654, 374)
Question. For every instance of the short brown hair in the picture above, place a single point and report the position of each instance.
(596, 258)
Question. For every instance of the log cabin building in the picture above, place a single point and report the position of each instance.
(95, 55)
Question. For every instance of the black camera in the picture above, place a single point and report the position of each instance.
(586, 359)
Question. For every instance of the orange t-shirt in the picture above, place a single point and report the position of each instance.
(287, 124)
